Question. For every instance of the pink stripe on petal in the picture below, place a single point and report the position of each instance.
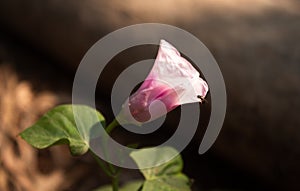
(172, 80)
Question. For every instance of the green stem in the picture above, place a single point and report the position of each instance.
(108, 168)
(111, 126)
(102, 164)
(115, 183)
(113, 171)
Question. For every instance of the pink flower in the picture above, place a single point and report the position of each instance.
(173, 81)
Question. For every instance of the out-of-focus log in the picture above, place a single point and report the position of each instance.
(256, 43)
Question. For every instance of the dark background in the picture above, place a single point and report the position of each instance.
(256, 44)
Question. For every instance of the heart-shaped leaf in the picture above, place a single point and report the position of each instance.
(58, 126)
(131, 186)
(164, 174)
(178, 182)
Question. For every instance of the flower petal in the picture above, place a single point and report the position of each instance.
(174, 70)
(173, 81)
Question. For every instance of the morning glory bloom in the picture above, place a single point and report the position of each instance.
(172, 81)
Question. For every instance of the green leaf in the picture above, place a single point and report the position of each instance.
(152, 157)
(131, 186)
(58, 126)
(178, 182)
(165, 174)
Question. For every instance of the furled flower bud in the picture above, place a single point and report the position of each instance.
(173, 81)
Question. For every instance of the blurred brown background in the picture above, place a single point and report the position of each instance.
(255, 42)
